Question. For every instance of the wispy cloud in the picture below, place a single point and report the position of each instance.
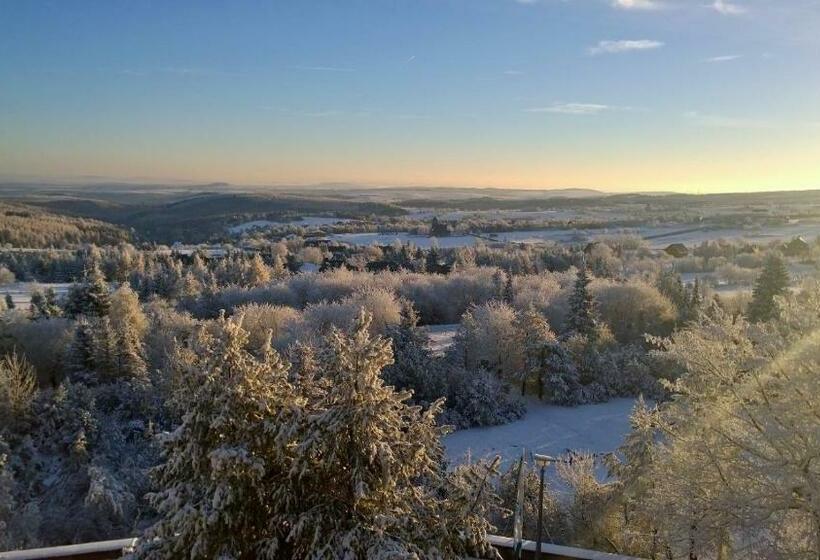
(728, 8)
(178, 71)
(622, 46)
(724, 58)
(321, 68)
(637, 4)
(583, 109)
(723, 121)
(513, 73)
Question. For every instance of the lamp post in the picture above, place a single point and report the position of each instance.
(542, 461)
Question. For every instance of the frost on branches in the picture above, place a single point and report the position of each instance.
(264, 467)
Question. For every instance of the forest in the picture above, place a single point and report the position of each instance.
(238, 404)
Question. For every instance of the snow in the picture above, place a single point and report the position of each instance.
(307, 221)
(441, 337)
(546, 429)
(658, 237)
(21, 291)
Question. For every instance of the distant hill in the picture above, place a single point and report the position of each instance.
(30, 227)
(182, 214)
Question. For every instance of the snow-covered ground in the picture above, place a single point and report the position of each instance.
(659, 237)
(307, 221)
(21, 291)
(441, 337)
(546, 429)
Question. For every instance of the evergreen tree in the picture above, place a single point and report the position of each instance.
(90, 297)
(37, 305)
(413, 367)
(560, 381)
(773, 282)
(509, 294)
(52, 305)
(258, 273)
(80, 355)
(582, 316)
(260, 469)
(224, 487)
(378, 490)
(9, 301)
(130, 360)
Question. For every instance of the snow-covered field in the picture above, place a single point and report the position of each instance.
(659, 237)
(307, 221)
(441, 337)
(546, 429)
(21, 291)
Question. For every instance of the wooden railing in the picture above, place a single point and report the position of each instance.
(113, 550)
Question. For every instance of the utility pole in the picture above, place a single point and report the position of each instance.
(542, 461)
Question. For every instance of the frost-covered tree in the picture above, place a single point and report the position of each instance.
(559, 376)
(374, 491)
(18, 388)
(734, 469)
(90, 296)
(489, 338)
(223, 488)
(582, 313)
(536, 337)
(772, 283)
(261, 468)
(414, 367)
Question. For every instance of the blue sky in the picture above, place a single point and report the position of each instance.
(697, 95)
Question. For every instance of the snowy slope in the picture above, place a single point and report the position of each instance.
(546, 429)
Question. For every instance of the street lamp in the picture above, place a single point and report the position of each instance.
(542, 461)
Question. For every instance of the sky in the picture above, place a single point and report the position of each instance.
(621, 95)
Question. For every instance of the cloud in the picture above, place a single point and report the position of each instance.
(723, 121)
(727, 8)
(322, 68)
(636, 4)
(615, 47)
(724, 58)
(583, 109)
(513, 72)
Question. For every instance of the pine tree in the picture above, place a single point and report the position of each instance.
(130, 360)
(37, 305)
(260, 469)
(225, 490)
(560, 381)
(378, 489)
(80, 355)
(105, 348)
(90, 297)
(509, 293)
(582, 316)
(413, 367)
(773, 282)
(258, 273)
(52, 305)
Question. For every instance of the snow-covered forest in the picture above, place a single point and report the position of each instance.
(234, 405)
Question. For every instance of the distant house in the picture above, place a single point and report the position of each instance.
(677, 250)
(797, 247)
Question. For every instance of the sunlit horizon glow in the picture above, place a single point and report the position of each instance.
(621, 96)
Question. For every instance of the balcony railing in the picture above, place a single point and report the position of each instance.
(112, 550)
